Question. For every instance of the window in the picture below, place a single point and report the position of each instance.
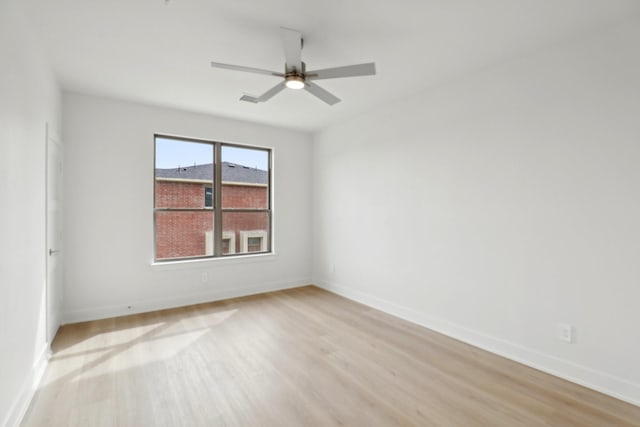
(210, 198)
(229, 242)
(254, 244)
(253, 241)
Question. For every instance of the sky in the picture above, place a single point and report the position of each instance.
(171, 153)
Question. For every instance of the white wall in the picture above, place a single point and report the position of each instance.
(29, 99)
(498, 205)
(109, 167)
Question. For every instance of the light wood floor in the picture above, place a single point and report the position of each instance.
(301, 357)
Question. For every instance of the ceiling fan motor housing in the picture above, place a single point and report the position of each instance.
(294, 79)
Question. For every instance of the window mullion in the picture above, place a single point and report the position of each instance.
(217, 193)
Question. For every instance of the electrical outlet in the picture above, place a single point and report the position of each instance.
(332, 268)
(205, 276)
(565, 332)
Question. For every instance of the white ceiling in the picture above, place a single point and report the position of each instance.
(158, 52)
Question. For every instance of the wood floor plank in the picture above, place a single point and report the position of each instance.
(300, 357)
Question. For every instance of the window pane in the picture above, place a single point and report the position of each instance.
(249, 230)
(182, 234)
(245, 178)
(254, 244)
(185, 195)
(183, 172)
(208, 197)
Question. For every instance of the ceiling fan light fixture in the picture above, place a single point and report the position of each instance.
(294, 82)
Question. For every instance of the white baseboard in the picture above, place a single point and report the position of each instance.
(95, 313)
(582, 375)
(28, 389)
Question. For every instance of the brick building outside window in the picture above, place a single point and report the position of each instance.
(184, 215)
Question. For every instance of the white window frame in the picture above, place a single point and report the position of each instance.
(226, 235)
(244, 240)
(231, 236)
(213, 239)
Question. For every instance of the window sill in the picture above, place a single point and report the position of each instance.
(212, 262)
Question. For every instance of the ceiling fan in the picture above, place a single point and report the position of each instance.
(296, 76)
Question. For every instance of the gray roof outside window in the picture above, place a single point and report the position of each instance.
(231, 172)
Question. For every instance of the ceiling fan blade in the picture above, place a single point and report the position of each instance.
(265, 96)
(368, 69)
(249, 98)
(247, 69)
(292, 42)
(272, 92)
(324, 95)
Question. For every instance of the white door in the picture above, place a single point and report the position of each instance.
(54, 232)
